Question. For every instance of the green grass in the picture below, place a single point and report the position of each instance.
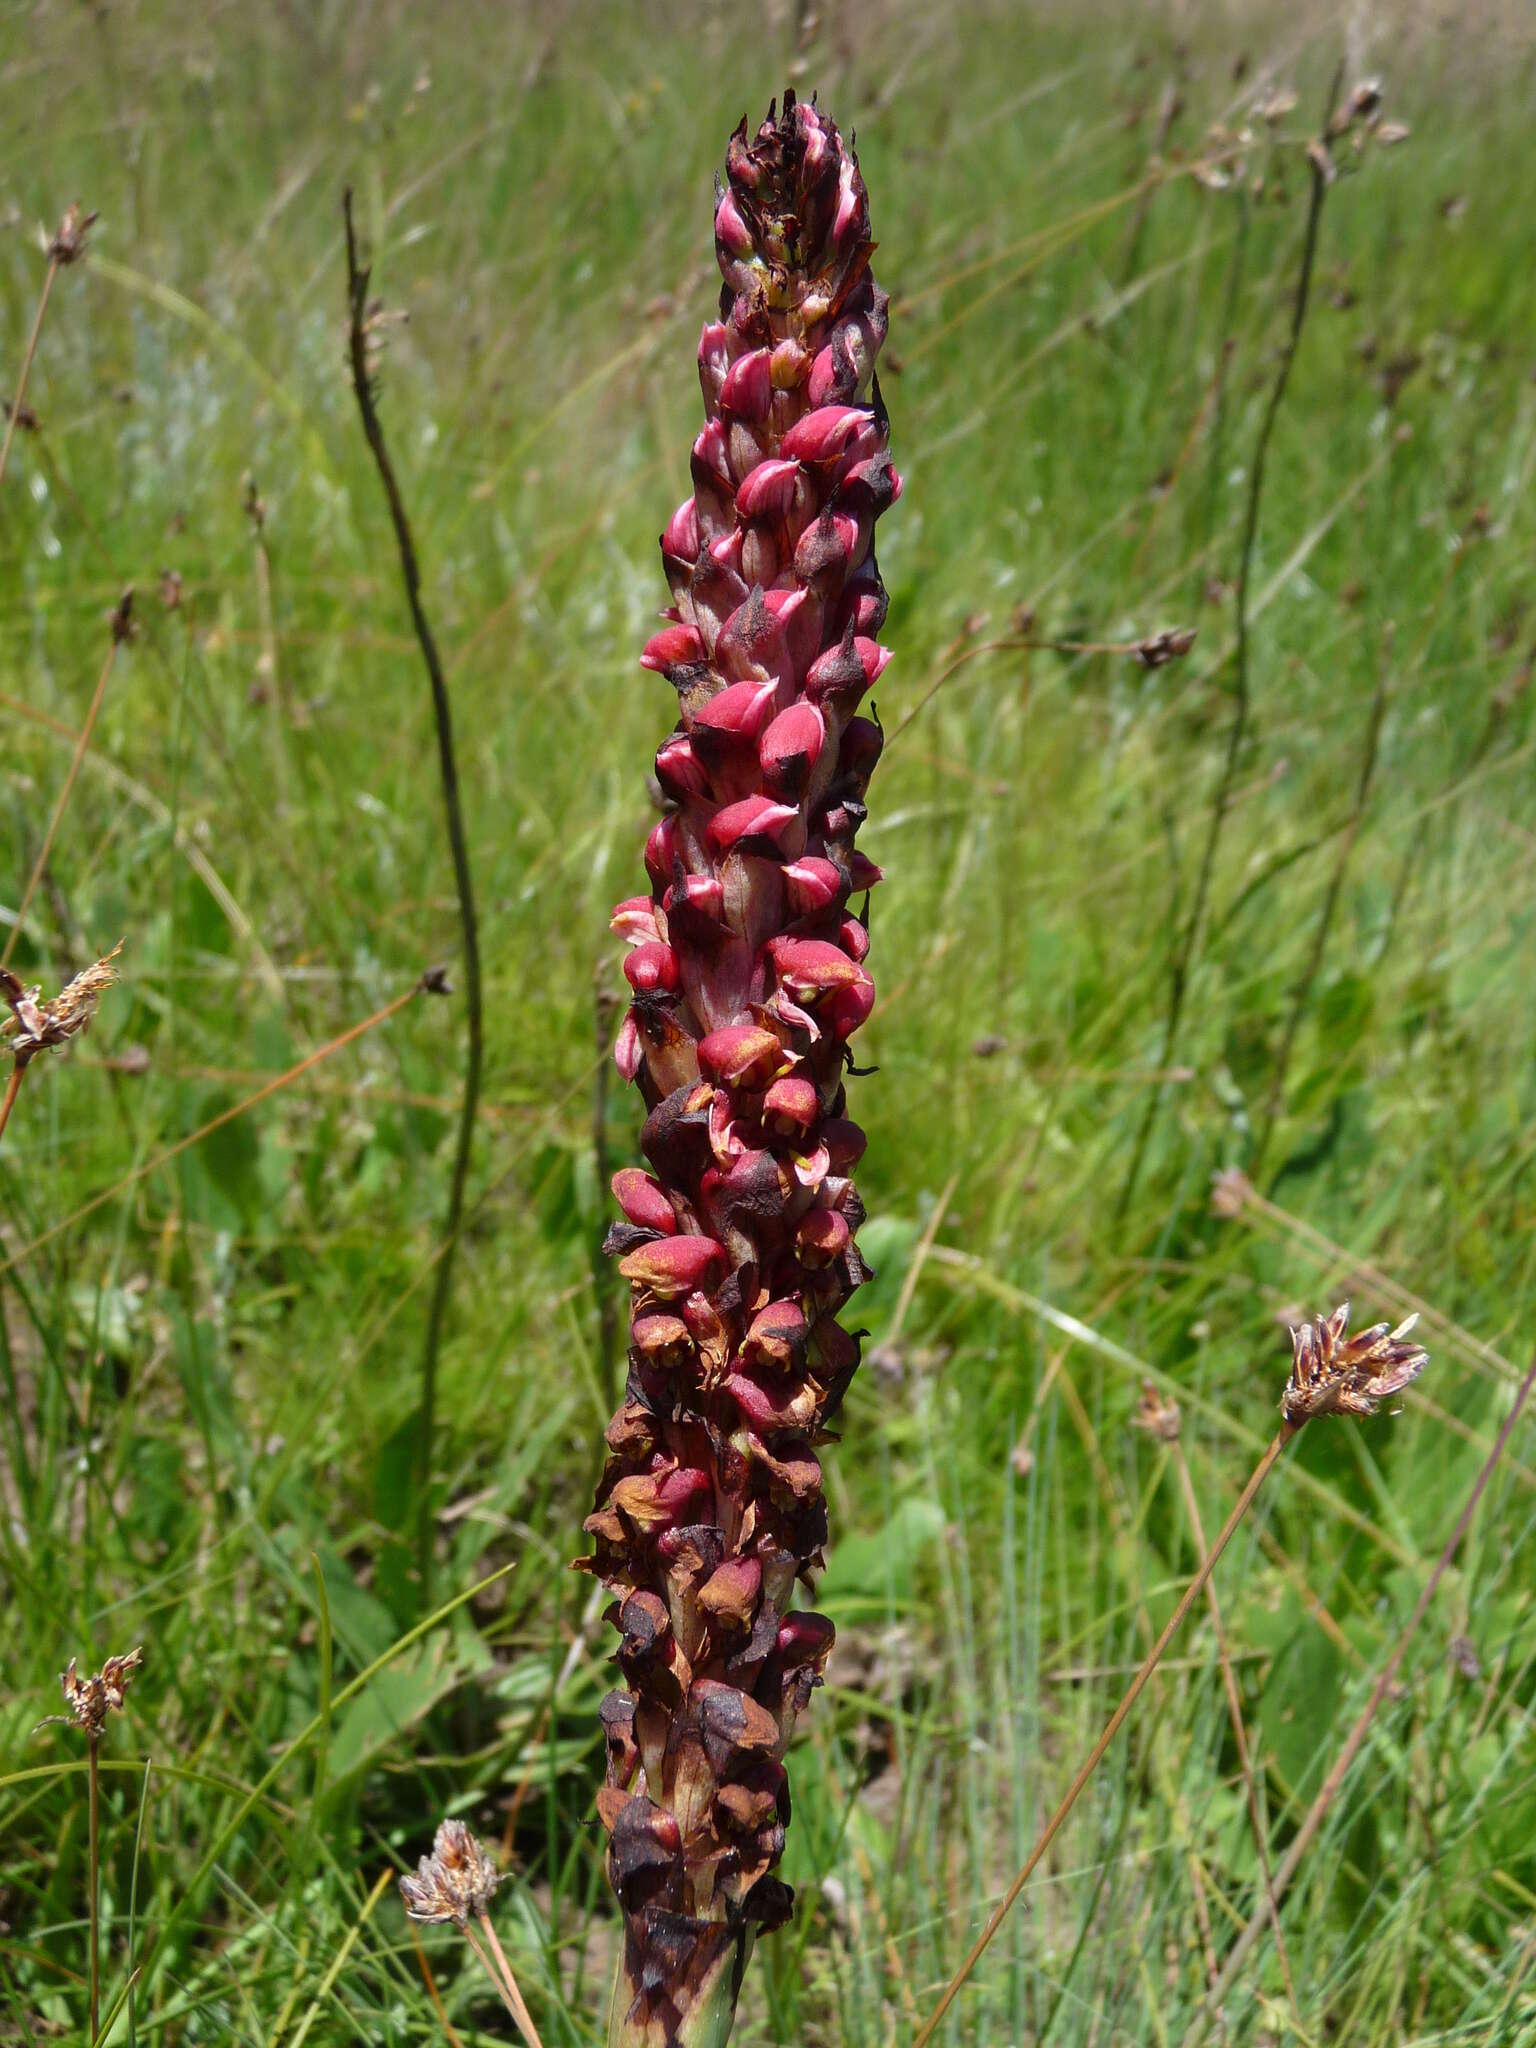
(211, 1379)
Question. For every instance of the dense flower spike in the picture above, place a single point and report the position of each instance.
(747, 981)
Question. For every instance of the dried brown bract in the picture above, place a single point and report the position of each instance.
(91, 1699)
(1230, 1189)
(1158, 1414)
(35, 1026)
(68, 243)
(456, 1882)
(1273, 105)
(1158, 649)
(1334, 1374)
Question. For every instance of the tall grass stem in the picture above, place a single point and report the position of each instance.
(1184, 958)
(1239, 1728)
(442, 713)
(1339, 1771)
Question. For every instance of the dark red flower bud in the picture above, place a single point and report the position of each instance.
(662, 1340)
(755, 818)
(776, 1337)
(822, 1237)
(673, 647)
(853, 938)
(810, 967)
(791, 1106)
(812, 884)
(744, 1055)
(790, 748)
(661, 851)
(674, 1266)
(702, 893)
(651, 966)
(730, 1594)
(680, 541)
(805, 1638)
(635, 920)
(822, 435)
(640, 1195)
(741, 710)
(844, 1140)
(679, 769)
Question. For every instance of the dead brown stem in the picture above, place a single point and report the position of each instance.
(458, 847)
(95, 1885)
(63, 797)
(14, 413)
(12, 1089)
(1239, 1730)
(1328, 1791)
(1112, 1727)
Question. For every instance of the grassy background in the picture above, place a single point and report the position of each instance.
(211, 1379)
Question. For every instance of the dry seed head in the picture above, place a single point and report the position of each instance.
(1158, 1414)
(1158, 649)
(68, 244)
(1230, 1189)
(35, 1026)
(1335, 1374)
(91, 1699)
(456, 1882)
(1274, 105)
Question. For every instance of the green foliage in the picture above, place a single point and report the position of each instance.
(209, 1380)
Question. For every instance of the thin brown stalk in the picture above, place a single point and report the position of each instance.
(1184, 957)
(1239, 1729)
(272, 1087)
(14, 414)
(500, 1973)
(65, 792)
(12, 1089)
(431, 1983)
(95, 1885)
(1275, 1102)
(1111, 1728)
(1328, 1791)
(458, 844)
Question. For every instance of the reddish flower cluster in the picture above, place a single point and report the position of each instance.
(747, 982)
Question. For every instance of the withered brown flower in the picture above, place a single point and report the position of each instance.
(1158, 1414)
(91, 1699)
(35, 1026)
(456, 1882)
(68, 243)
(1332, 1374)
(1230, 1189)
